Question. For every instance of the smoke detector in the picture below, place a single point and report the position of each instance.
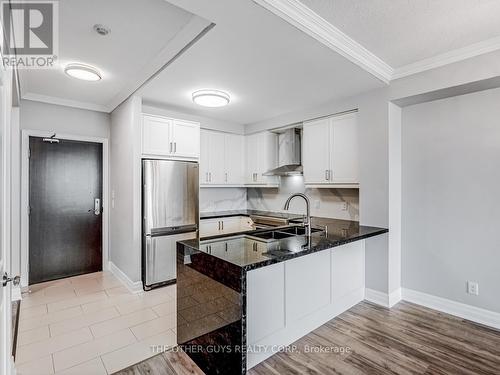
(101, 29)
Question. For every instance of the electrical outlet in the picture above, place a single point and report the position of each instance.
(473, 288)
(345, 206)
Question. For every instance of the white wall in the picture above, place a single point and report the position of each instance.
(125, 167)
(324, 202)
(61, 119)
(451, 209)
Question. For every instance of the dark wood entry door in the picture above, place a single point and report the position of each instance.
(65, 233)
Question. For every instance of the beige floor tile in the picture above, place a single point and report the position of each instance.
(144, 301)
(125, 321)
(166, 308)
(154, 327)
(80, 300)
(117, 291)
(58, 316)
(40, 299)
(81, 321)
(32, 312)
(40, 366)
(109, 282)
(125, 357)
(82, 353)
(165, 340)
(108, 302)
(43, 348)
(33, 335)
(93, 367)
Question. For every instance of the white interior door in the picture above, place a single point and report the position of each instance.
(5, 292)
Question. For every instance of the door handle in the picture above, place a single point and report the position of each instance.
(6, 279)
(97, 207)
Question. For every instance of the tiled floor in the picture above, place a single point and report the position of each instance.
(91, 325)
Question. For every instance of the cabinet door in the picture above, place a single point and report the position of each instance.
(230, 224)
(186, 139)
(204, 156)
(316, 152)
(344, 152)
(234, 159)
(252, 159)
(156, 136)
(216, 170)
(209, 227)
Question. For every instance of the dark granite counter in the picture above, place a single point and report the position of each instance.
(212, 283)
(248, 252)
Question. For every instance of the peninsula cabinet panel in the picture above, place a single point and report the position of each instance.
(348, 269)
(307, 285)
(265, 302)
(331, 152)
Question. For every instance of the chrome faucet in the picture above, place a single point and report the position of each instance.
(307, 219)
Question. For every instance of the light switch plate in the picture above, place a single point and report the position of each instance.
(473, 288)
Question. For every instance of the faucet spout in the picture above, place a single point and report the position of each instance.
(307, 221)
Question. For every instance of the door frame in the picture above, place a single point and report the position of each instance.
(26, 133)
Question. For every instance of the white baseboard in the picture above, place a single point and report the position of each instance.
(16, 293)
(472, 313)
(134, 287)
(381, 298)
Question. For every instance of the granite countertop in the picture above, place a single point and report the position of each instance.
(248, 253)
(229, 213)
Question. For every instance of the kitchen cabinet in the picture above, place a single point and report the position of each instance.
(330, 151)
(164, 137)
(224, 225)
(261, 156)
(221, 160)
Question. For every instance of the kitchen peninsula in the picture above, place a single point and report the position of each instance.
(241, 297)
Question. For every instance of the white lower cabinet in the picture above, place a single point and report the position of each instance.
(287, 300)
(307, 285)
(265, 301)
(224, 225)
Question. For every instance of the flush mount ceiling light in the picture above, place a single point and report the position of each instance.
(211, 98)
(83, 72)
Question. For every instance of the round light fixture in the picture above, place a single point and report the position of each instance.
(83, 72)
(211, 98)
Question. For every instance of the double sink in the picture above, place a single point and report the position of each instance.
(281, 233)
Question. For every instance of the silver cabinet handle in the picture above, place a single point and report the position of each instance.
(218, 224)
(222, 223)
(171, 147)
(327, 174)
(210, 176)
(175, 147)
(225, 177)
(206, 177)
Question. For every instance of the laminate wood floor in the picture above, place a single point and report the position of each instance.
(368, 339)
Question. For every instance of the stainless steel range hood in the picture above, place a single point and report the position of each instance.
(289, 161)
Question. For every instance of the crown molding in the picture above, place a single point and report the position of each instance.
(65, 102)
(302, 17)
(446, 58)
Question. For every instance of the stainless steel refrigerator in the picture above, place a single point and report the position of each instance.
(170, 214)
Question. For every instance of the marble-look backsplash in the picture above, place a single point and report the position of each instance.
(324, 202)
(222, 199)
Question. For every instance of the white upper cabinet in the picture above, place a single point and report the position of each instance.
(222, 156)
(172, 138)
(235, 159)
(330, 151)
(261, 156)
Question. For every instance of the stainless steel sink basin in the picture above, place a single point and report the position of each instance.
(298, 231)
(272, 235)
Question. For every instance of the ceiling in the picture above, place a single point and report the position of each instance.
(126, 57)
(272, 56)
(402, 32)
(268, 66)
